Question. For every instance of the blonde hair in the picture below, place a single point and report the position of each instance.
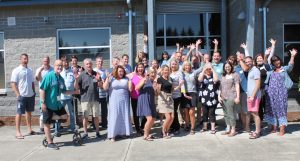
(185, 63)
(137, 59)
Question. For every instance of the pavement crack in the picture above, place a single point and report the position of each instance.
(26, 156)
(127, 150)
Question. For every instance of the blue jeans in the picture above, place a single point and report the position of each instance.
(69, 102)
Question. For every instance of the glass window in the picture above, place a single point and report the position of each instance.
(2, 67)
(85, 43)
(186, 29)
(292, 40)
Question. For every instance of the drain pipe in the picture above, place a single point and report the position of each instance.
(130, 31)
(264, 10)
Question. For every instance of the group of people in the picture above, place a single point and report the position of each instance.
(175, 89)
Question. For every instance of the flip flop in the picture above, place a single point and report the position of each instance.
(32, 133)
(20, 137)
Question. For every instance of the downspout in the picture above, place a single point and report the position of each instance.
(130, 31)
(264, 14)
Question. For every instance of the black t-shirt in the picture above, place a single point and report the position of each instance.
(166, 85)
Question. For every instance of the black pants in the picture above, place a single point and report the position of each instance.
(135, 117)
(75, 104)
(262, 105)
(209, 112)
(103, 103)
(175, 124)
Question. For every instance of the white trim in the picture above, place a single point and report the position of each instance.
(84, 47)
(3, 91)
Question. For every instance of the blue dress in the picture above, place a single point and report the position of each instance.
(146, 100)
(119, 122)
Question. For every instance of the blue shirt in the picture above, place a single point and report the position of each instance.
(102, 72)
(219, 69)
(238, 69)
(69, 78)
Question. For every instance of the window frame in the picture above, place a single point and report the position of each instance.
(83, 47)
(3, 90)
(206, 37)
(286, 42)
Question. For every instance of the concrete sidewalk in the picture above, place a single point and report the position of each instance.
(201, 146)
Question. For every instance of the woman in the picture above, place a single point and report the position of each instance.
(277, 93)
(176, 76)
(138, 75)
(189, 91)
(229, 96)
(209, 86)
(164, 58)
(259, 62)
(146, 101)
(139, 57)
(165, 102)
(119, 122)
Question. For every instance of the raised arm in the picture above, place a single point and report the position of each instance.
(244, 46)
(273, 42)
(216, 45)
(267, 54)
(192, 47)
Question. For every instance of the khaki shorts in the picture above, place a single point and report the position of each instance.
(90, 107)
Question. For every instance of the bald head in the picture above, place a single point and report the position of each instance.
(58, 66)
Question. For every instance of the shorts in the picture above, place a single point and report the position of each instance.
(47, 115)
(186, 103)
(25, 104)
(90, 107)
(242, 106)
(254, 105)
(165, 103)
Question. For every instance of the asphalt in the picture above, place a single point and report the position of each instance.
(201, 146)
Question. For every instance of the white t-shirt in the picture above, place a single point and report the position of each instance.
(24, 78)
(43, 73)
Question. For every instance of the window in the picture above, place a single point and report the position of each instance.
(185, 29)
(85, 43)
(2, 66)
(292, 40)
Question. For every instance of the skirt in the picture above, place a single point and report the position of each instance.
(165, 103)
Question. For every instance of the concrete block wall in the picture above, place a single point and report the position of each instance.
(37, 38)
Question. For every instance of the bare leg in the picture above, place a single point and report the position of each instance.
(18, 122)
(96, 122)
(148, 126)
(186, 118)
(48, 133)
(85, 124)
(192, 117)
(28, 121)
(257, 121)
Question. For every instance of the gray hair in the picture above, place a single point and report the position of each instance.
(87, 60)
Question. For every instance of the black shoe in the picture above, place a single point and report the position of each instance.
(52, 146)
(98, 136)
(57, 134)
(84, 136)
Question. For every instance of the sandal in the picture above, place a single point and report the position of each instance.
(192, 132)
(203, 130)
(148, 138)
(213, 131)
(166, 137)
(20, 137)
(232, 134)
(225, 133)
(32, 133)
(254, 135)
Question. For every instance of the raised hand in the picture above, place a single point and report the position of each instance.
(177, 45)
(268, 51)
(216, 42)
(198, 42)
(293, 52)
(192, 46)
(244, 46)
(272, 41)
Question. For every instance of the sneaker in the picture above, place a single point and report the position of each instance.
(84, 136)
(57, 134)
(52, 146)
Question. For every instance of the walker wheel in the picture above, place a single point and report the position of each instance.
(77, 141)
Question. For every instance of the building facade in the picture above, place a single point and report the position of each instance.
(108, 28)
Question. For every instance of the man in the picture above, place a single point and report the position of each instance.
(51, 88)
(39, 75)
(70, 79)
(115, 63)
(22, 83)
(125, 59)
(102, 93)
(217, 65)
(242, 69)
(88, 83)
(253, 95)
